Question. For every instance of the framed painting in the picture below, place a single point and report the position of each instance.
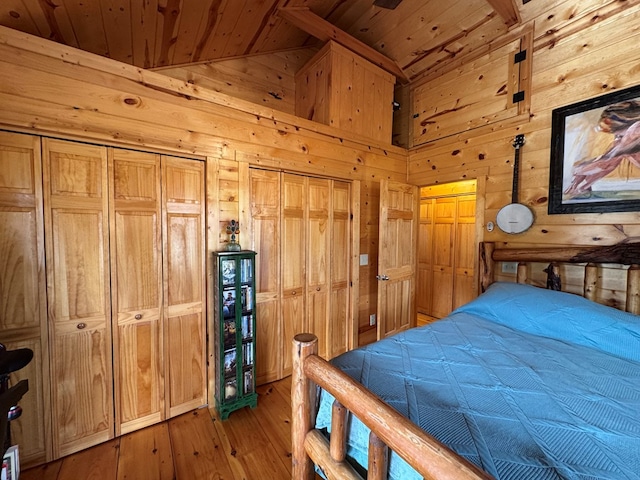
(595, 155)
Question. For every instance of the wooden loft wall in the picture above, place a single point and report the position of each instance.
(50, 89)
(578, 53)
(267, 80)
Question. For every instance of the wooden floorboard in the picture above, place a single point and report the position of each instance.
(197, 449)
(95, 463)
(250, 444)
(146, 454)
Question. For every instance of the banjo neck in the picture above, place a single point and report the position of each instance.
(517, 144)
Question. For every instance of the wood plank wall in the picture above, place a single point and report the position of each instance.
(580, 51)
(267, 80)
(51, 89)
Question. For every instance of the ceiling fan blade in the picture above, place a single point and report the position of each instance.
(390, 4)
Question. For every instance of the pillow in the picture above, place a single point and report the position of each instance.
(563, 316)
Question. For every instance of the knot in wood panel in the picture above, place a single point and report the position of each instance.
(133, 101)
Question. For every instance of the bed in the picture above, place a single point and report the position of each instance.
(521, 383)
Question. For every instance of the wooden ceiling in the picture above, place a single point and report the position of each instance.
(409, 40)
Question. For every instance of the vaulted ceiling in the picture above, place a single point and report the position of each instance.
(408, 40)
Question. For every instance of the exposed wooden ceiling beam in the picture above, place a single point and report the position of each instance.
(507, 10)
(314, 25)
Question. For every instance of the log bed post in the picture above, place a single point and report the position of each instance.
(486, 265)
(590, 281)
(633, 289)
(302, 404)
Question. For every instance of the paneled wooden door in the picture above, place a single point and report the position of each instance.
(79, 294)
(399, 207)
(183, 214)
(265, 233)
(302, 231)
(136, 280)
(23, 321)
(446, 248)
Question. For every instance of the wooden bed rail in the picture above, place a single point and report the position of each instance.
(621, 253)
(425, 454)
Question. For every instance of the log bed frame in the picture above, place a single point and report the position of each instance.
(389, 429)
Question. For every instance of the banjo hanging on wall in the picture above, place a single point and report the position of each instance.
(515, 217)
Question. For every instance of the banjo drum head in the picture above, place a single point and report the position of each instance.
(514, 218)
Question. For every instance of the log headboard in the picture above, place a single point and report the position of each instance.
(621, 254)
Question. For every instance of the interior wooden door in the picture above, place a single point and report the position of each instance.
(424, 283)
(183, 195)
(136, 282)
(465, 255)
(265, 239)
(397, 257)
(293, 261)
(340, 327)
(442, 253)
(318, 256)
(23, 307)
(78, 293)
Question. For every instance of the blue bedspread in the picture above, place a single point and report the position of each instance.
(526, 383)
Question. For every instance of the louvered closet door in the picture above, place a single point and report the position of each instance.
(23, 321)
(184, 284)
(136, 280)
(78, 289)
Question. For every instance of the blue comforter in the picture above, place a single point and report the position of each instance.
(526, 383)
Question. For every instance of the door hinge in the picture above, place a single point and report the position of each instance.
(521, 56)
(518, 97)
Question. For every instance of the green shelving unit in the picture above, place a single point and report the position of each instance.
(234, 326)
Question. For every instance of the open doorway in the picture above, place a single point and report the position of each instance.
(446, 249)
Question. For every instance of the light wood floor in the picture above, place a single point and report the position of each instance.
(251, 444)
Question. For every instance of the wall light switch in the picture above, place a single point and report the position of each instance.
(364, 259)
(372, 319)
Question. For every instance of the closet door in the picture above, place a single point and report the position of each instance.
(265, 228)
(78, 292)
(424, 288)
(301, 229)
(23, 307)
(444, 235)
(318, 258)
(136, 282)
(340, 328)
(447, 248)
(293, 261)
(465, 251)
(184, 276)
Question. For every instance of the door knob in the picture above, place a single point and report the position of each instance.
(382, 277)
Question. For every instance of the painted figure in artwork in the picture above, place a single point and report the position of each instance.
(623, 121)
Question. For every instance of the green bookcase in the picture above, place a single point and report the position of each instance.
(234, 327)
